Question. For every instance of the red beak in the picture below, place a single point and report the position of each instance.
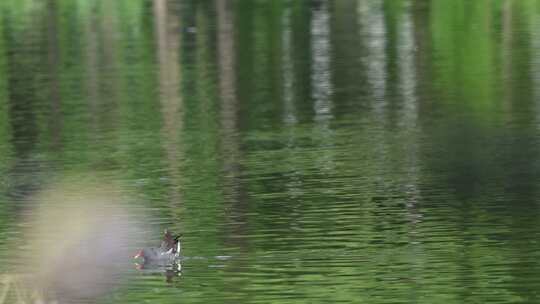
(138, 255)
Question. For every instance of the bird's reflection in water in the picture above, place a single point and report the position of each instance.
(170, 272)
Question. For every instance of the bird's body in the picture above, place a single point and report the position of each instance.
(167, 253)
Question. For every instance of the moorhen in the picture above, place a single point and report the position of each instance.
(167, 253)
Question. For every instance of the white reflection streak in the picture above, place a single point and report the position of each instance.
(407, 82)
(289, 112)
(168, 46)
(406, 53)
(321, 83)
(294, 182)
(408, 119)
(320, 74)
(535, 66)
(373, 30)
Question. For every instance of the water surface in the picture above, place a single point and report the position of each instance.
(309, 151)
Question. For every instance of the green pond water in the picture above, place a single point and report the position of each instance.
(309, 151)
